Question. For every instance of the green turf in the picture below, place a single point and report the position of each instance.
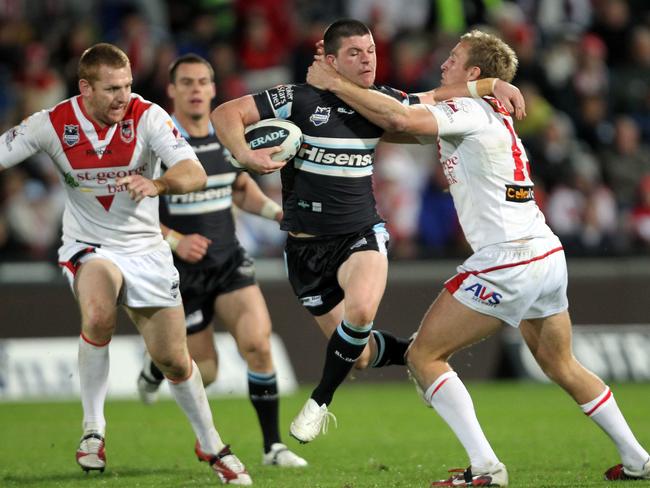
(386, 438)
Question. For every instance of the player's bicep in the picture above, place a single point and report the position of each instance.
(420, 121)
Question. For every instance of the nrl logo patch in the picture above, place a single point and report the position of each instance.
(70, 134)
(320, 116)
(127, 133)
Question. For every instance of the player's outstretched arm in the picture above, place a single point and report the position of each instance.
(229, 120)
(248, 196)
(378, 108)
(503, 91)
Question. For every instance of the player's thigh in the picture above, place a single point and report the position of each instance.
(549, 339)
(449, 326)
(163, 331)
(244, 313)
(201, 345)
(363, 278)
(97, 285)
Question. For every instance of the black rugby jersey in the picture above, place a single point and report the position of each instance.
(209, 211)
(327, 187)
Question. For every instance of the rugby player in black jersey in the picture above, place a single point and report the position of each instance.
(216, 275)
(337, 242)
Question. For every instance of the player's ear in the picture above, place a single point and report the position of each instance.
(331, 60)
(171, 90)
(85, 88)
(474, 73)
(213, 93)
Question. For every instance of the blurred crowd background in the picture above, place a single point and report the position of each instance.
(584, 71)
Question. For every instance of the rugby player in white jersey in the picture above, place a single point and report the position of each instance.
(217, 277)
(106, 143)
(517, 275)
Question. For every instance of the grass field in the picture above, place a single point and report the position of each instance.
(386, 438)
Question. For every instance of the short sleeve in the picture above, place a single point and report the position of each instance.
(458, 116)
(275, 103)
(164, 138)
(24, 140)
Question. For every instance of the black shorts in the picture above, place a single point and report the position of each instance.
(200, 287)
(313, 262)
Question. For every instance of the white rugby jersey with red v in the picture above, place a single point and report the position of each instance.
(90, 159)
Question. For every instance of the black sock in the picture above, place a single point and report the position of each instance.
(263, 392)
(343, 349)
(390, 349)
(154, 372)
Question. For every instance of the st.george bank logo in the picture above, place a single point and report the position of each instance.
(482, 294)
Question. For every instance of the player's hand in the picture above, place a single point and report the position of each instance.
(138, 187)
(320, 48)
(322, 75)
(259, 160)
(192, 247)
(511, 98)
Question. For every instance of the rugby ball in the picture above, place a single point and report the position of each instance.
(271, 133)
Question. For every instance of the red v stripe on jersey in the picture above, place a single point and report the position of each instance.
(78, 147)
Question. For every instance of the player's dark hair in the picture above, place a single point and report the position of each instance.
(341, 29)
(189, 58)
(100, 54)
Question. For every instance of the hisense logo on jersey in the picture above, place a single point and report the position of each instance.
(328, 156)
(201, 196)
(276, 135)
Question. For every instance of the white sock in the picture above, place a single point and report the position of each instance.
(605, 412)
(451, 400)
(93, 361)
(190, 396)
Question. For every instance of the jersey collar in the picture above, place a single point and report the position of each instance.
(184, 133)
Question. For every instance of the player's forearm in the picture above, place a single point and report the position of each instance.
(475, 89)
(378, 108)
(250, 198)
(186, 176)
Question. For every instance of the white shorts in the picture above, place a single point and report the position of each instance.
(150, 280)
(514, 281)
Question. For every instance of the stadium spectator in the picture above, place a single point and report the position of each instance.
(217, 277)
(517, 274)
(336, 249)
(640, 218)
(105, 143)
(625, 161)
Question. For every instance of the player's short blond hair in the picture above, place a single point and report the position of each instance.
(493, 56)
(102, 54)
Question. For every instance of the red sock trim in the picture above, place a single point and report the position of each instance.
(92, 343)
(607, 396)
(439, 386)
(184, 379)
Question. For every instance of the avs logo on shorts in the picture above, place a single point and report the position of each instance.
(483, 295)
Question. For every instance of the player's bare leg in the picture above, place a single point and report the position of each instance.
(549, 339)
(163, 330)
(245, 315)
(97, 285)
(447, 327)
